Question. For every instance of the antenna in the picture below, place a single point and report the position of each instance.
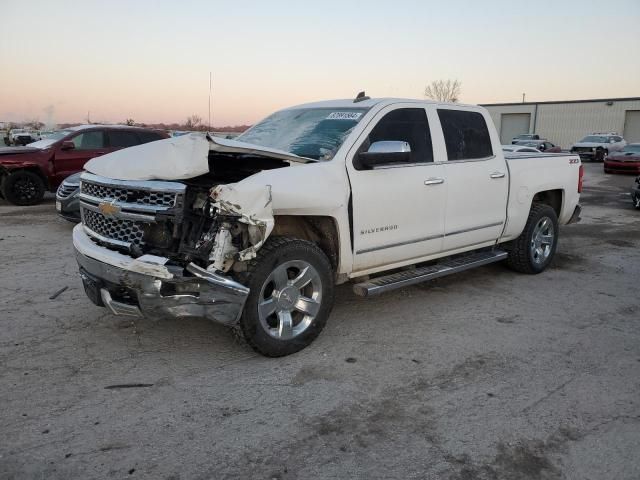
(361, 97)
(210, 82)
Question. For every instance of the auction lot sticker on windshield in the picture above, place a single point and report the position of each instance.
(344, 115)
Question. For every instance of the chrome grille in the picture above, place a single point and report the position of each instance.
(118, 212)
(64, 190)
(139, 197)
(127, 231)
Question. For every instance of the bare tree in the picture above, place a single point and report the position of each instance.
(130, 121)
(443, 90)
(34, 124)
(193, 122)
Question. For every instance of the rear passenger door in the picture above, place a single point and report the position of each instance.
(119, 139)
(477, 179)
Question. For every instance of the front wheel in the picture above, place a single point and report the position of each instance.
(291, 293)
(23, 188)
(533, 250)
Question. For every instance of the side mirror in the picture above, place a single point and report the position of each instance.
(385, 152)
(67, 145)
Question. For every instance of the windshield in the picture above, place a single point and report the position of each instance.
(633, 148)
(524, 136)
(51, 139)
(594, 139)
(314, 133)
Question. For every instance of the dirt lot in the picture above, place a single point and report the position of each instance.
(489, 374)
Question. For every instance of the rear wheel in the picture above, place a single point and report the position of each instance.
(290, 296)
(534, 249)
(23, 188)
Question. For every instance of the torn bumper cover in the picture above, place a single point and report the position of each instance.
(145, 286)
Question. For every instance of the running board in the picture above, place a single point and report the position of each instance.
(379, 285)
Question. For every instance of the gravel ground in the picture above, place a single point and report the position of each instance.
(485, 375)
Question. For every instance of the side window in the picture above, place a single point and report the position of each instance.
(408, 125)
(617, 139)
(89, 140)
(465, 134)
(146, 137)
(122, 139)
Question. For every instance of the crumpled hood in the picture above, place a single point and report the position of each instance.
(175, 158)
(17, 150)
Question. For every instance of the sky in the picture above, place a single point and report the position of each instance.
(150, 60)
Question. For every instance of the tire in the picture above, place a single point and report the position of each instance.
(600, 155)
(23, 188)
(530, 253)
(273, 322)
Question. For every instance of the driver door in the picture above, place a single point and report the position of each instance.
(87, 145)
(398, 208)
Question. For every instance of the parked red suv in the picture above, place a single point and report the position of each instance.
(27, 172)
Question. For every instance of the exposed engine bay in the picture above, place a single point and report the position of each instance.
(209, 226)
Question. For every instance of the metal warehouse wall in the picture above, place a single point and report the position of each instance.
(566, 123)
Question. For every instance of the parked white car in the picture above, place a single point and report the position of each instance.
(525, 137)
(598, 145)
(255, 232)
(519, 149)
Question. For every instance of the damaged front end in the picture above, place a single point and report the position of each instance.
(174, 248)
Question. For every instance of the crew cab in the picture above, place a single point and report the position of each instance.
(27, 172)
(255, 232)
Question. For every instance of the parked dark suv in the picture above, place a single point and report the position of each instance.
(27, 172)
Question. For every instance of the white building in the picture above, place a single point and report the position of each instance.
(566, 122)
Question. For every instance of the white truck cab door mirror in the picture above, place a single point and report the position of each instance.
(389, 146)
(385, 152)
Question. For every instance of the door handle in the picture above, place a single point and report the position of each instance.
(434, 181)
(497, 175)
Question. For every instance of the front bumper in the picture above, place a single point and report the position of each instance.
(69, 207)
(145, 286)
(612, 166)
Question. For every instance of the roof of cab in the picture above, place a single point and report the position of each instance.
(350, 103)
(95, 125)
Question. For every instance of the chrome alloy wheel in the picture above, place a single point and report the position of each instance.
(290, 299)
(542, 240)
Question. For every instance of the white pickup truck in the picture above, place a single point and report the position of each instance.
(255, 232)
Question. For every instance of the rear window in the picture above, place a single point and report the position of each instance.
(465, 134)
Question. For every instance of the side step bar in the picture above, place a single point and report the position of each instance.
(379, 285)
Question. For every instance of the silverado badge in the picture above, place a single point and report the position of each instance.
(108, 209)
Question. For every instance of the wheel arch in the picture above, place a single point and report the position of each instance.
(33, 168)
(553, 198)
(320, 230)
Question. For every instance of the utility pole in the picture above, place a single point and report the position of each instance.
(210, 83)
(523, 95)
